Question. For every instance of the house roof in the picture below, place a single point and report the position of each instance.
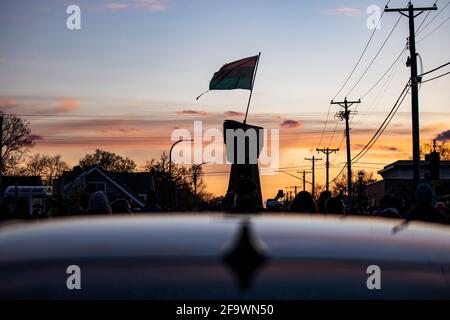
(406, 164)
(136, 182)
(118, 183)
(20, 181)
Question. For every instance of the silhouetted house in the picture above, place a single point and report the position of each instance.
(132, 186)
(398, 180)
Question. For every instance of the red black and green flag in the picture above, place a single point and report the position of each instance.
(235, 75)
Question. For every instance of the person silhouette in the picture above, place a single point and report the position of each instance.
(334, 205)
(423, 209)
(388, 207)
(247, 197)
(304, 203)
(324, 196)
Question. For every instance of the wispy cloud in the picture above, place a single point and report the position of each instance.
(378, 147)
(116, 6)
(233, 114)
(149, 5)
(38, 105)
(36, 137)
(343, 11)
(7, 103)
(287, 124)
(68, 105)
(192, 112)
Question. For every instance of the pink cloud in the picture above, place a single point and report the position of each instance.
(116, 6)
(192, 112)
(149, 5)
(68, 105)
(36, 137)
(233, 114)
(289, 124)
(347, 11)
(344, 11)
(8, 103)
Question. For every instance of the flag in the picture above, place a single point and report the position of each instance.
(235, 75)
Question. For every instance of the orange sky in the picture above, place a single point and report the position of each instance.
(130, 75)
(144, 137)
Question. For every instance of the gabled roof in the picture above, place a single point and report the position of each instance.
(108, 178)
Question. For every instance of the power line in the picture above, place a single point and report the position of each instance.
(352, 72)
(362, 54)
(440, 25)
(334, 132)
(376, 55)
(377, 134)
(325, 125)
(434, 18)
(437, 77)
(384, 74)
(383, 126)
(366, 70)
(424, 19)
(435, 69)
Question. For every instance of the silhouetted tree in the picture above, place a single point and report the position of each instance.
(107, 161)
(17, 140)
(442, 147)
(341, 182)
(182, 177)
(47, 167)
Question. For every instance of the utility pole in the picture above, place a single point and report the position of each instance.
(327, 152)
(313, 161)
(410, 14)
(196, 169)
(304, 172)
(295, 189)
(346, 115)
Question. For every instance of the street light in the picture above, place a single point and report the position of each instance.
(361, 177)
(196, 169)
(170, 168)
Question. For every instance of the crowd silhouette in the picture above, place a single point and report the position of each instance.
(244, 198)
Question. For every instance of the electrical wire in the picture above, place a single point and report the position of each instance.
(352, 72)
(443, 22)
(434, 18)
(375, 57)
(437, 77)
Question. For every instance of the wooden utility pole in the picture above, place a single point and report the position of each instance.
(295, 189)
(313, 161)
(304, 172)
(327, 152)
(409, 12)
(346, 115)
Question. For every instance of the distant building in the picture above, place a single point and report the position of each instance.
(132, 186)
(398, 180)
(20, 181)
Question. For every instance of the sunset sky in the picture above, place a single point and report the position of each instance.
(130, 76)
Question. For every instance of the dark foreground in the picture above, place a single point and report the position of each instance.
(224, 257)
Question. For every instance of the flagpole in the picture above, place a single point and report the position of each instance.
(251, 91)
